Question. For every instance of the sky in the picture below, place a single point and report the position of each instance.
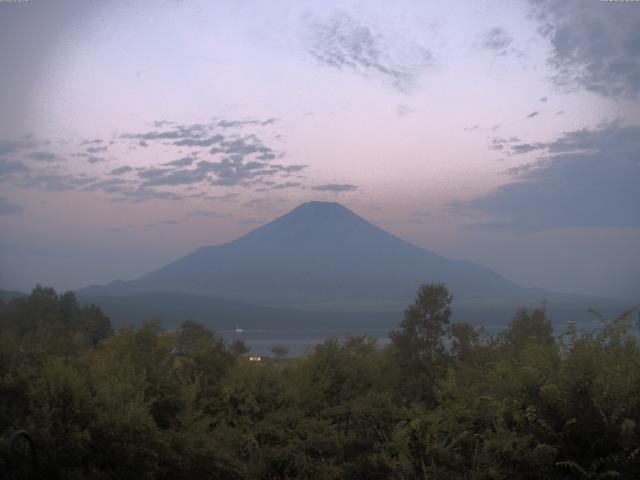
(505, 133)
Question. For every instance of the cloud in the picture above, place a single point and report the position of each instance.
(235, 156)
(42, 156)
(594, 45)
(92, 159)
(282, 186)
(208, 213)
(500, 144)
(97, 149)
(110, 185)
(335, 187)
(8, 208)
(535, 113)
(121, 170)
(264, 203)
(176, 177)
(521, 148)
(13, 146)
(227, 197)
(497, 39)
(54, 182)
(346, 43)
(95, 141)
(586, 178)
(141, 194)
(404, 110)
(200, 142)
(244, 123)
(181, 162)
(8, 167)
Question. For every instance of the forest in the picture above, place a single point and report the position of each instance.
(442, 400)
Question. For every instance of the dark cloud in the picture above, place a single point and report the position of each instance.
(197, 134)
(245, 123)
(208, 213)
(404, 110)
(176, 177)
(8, 208)
(141, 194)
(121, 170)
(520, 148)
(92, 159)
(53, 182)
(152, 172)
(500, 144)
(181, 162)
(347, 43)
(200, 142)
(9, 167)
(595, 45)
(335, 187)
(587, 177)
(13, 146)
(237, 157)
(244, 146)
(282, 186)
(293, 168)
(42, 156)
(110, 185)
(227, 197)
(533, 114)
(96, 149)
(498, 40)
(95, 141)
(265, 203)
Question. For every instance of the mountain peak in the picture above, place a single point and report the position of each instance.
(316, 207)
(313, 217)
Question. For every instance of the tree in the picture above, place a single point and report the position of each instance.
(419, 344)
(280, 351)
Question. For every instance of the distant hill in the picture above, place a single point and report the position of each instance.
(8, 295)
(220, 314)
(322, 257)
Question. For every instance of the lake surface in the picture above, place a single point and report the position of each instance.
(260, 342)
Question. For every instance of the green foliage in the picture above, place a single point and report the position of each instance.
(419, 343)
(441, 401)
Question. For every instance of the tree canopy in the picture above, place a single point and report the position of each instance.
(442, 400)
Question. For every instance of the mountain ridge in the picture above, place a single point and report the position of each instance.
(309, 248)
(321, 256)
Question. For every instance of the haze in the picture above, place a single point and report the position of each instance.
(505, 133)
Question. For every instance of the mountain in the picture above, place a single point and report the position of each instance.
(318, 252)
(323, 257)
(8, 295)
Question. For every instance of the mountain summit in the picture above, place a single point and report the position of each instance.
(318, 252)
